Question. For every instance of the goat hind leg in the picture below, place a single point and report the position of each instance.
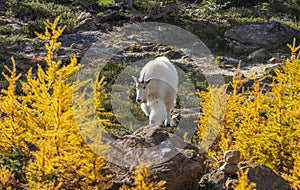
(168, 120)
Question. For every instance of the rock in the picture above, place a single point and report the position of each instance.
(172, 54)
(73, 46)
(269, 35)
(86, 22)
(232, 156)
(215, 180)
(230, 169)
(265, 178)
(180, 170)
(259, 55)
(152, 135)
(228, 60)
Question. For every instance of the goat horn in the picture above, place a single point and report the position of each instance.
(143, 79)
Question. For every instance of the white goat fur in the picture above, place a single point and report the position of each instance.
(160, 93)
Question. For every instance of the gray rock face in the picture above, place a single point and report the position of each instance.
(269, 35)
(180, 170)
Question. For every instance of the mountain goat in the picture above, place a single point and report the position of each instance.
(156, 90)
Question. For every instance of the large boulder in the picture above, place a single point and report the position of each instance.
(172, 159)
(269, 35)
(265, 178)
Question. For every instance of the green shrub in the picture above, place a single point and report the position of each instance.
(6, 29)
(35, 12)
(104, 2)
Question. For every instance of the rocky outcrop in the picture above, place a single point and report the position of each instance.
(180, 168)
(226, 175)
(269, 35)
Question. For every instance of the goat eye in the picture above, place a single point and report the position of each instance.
(144, 87)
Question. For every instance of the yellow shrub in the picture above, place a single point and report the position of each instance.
(43, 116)
(105, 117)
(262, 124)
(294, 177)
(244, 183)
(220, 114)
(7, 178)
(143, 182)
(12, 129)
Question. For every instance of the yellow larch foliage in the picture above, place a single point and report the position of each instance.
(7, 178)
(294, 177)
(12, 130)
(220, 113)
(100, 97)
(210, 125)
(263, 123)
(142, 181)
(48, 186)
(43, 116)
(243, 182)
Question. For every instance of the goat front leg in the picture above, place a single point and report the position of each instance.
(145, 109)
(158, 113)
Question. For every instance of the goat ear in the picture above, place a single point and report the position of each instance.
(135, 79)
(148, 80)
